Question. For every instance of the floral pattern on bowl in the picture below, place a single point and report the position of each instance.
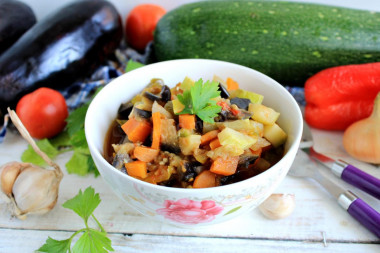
(188, 211)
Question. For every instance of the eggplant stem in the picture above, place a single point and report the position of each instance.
(25, 134)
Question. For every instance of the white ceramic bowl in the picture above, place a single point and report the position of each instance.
(189, 207)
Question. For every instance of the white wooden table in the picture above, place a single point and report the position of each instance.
(318, 224)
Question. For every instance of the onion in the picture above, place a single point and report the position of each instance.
(361, 140)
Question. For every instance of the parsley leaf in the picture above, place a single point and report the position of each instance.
(78, 163)
(72, 138)
(208, 113)
(84, 203)
(91, 166)
(198, 100)
(53, 245)
(78, 139)
(91, 240)
(31, 156)
(75, 121)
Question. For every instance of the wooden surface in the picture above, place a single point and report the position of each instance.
(318, 224)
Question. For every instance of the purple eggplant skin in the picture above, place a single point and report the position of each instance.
(65, 46)
(15, 19)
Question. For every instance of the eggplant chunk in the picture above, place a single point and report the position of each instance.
(247, 159)
(189, 171)
(119, 160)
(199, 124)
(242, 103)
(164, 96)
(124, 110)
(65, 46)
(169, 139)
(122, 154)
(142, 113)
(171, 148)
(240, 174)
(223, 91)
(16, 18)
(151, 96)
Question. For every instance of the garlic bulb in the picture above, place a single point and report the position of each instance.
(361, 140)
(8, 175)
(278, 206)
(29, 188)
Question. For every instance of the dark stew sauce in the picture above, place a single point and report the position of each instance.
(171, 167)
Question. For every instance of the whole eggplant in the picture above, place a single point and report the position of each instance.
(65, 46)
(15, 19)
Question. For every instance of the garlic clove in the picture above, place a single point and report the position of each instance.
(30, 188)
(8, 175)
(35, 190)
(278, 206)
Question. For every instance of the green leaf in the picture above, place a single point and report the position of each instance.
(132, 65)
(78, 163)
(78, 139)
(84, 203)
(92, 166)
(186, 100)
(75, 121)
(198, 100)
(61, 140)
(232, 210)
(208, 113)
(30, 156)
(202, 93)
(55, 246)
(93, 241)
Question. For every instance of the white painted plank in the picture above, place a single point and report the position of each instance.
(32, 240)
(316, 212)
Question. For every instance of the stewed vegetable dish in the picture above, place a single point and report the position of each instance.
(195, 135)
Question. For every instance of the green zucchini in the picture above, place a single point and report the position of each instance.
(287, 41)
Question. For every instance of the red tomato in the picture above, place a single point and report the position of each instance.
(43, 112)
(140, 24)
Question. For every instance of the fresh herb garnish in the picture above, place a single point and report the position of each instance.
(91, 240)
(46, 146)
(199, 100)
(71, 139)
(81, 162)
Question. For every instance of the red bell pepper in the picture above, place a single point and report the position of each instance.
(337, 97)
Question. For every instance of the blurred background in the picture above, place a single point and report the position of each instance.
(43, 7)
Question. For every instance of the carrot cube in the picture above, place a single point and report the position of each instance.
(136, 130)
(137, 169)
(225, 166)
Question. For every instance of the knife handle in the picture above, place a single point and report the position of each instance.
(361, 211)
(357, 177)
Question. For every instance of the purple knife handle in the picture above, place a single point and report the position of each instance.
(359, 178)
(366, 215)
